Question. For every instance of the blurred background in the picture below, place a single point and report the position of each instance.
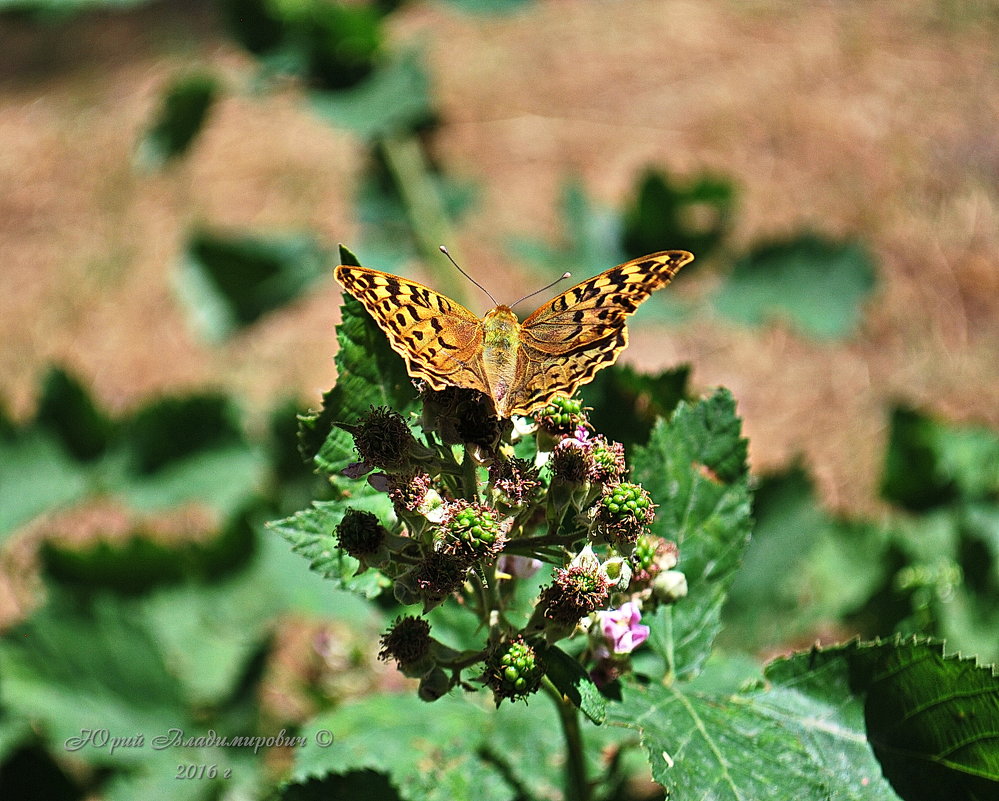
(174, 180)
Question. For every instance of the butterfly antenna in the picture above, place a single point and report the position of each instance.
(444, 251)
(539, 291)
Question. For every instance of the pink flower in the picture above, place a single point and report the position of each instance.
(621, 628)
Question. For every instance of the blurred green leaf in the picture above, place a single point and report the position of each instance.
(230, 281)
(625, 403)
(668, 215)
(590, 242)
(815, 284)
(430, 751)
(66, 409)
(36, 475)
(803, 567)
(331, 45)
(695, 469)
(395, 97)
(931, 463)
(183, 110)
(489, 6)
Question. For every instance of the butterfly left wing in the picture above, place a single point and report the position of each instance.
(439, 339)
(566, 341)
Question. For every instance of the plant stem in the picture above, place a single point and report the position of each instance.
(427, 216)
(576, 785)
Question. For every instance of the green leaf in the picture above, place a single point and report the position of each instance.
(183, 110)
(930, 463)
(803, 567)
(229, 281)
(369, 373)
(182, 449)
(800, 736)
(395, 97)
(666, 215)
(817, 285)
(428, 750)
(573, 682)
(695, 469)
(36, 475)
(73, 668)
(933, 720)
(310, 533)
(66, 409)
(590, 243)
(625, 403)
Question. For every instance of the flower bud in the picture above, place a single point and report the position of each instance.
(515, 480)
(437, 576)
(472, 532)
(562, 416)
(434, 685)
(622, 514)
(575, 591)
(383, 440)
(461, 417)
(607, 465)
(408, 643)
(669, 586)
(513, 670)
(361, 535)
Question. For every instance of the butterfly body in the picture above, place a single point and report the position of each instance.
(521, 366)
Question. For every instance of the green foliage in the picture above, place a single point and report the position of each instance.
(332, 46)
(590, 239)
(695, 467)
(817, 285)
(369, 373)
(394, 97)
(181, 116)
(229, 281)
(667, 215)
(930, 464)
(625, 403)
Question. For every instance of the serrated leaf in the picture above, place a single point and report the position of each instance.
(802, 736)
(816, 284)
(573, 682)
(932, 720)
(369, 373)
(695, 468)
(228, 280)
(183, 110)
(310, 533)
(428, 750)
(395, 97)
(625, 403)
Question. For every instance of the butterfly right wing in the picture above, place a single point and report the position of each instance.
(439, 339)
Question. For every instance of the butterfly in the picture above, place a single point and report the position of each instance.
(520, 366)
